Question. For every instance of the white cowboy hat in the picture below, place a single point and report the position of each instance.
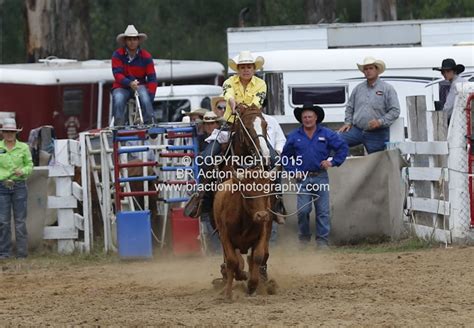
(9, 124)
(246, 57)
(372, 61)
(210, 117)
(196, 111)
(131, 31)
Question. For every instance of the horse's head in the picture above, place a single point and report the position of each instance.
(251, 133)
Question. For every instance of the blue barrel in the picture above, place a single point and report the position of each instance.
(134, 235)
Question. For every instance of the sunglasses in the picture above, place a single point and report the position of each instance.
(220, 107)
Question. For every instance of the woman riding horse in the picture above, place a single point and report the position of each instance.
(244, 88)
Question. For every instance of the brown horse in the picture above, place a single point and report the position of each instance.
(242, 217)
(243, 221)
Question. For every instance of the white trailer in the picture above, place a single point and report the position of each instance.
(328, 76)
(413, 33)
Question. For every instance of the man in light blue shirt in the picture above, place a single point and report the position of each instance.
(373, 106)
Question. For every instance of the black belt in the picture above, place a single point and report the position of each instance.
(11, 183)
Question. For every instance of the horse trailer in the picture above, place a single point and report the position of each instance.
(74, 96)
(327, 77)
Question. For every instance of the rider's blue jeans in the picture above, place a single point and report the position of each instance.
(120, 98)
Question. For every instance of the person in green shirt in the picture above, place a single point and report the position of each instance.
(15, 166)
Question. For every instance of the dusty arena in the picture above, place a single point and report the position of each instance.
(343, 287)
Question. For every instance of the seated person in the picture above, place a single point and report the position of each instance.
(134, 72)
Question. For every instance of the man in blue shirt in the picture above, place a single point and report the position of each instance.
(307, 152)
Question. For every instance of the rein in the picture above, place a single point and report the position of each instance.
(316, 197)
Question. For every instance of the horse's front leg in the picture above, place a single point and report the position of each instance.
(257, 258)
(231, 264)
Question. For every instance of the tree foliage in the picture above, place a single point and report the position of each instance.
(196, 29)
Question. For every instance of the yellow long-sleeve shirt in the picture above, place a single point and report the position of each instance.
(255, 93)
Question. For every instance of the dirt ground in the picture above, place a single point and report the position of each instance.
(430, 287)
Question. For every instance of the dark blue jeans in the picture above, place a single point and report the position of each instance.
(311, 187)
(15, 198)
(373, 141)
(212, 239)
(120, 98)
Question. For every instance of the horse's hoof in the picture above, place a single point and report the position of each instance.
(252, 292)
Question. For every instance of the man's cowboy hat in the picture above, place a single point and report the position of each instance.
(210, 117)
(131, 31)
(372, 61)
(196, 111)
(215, 100)
(246, 57)
(309, 106)
(450, 64)
(9, 124)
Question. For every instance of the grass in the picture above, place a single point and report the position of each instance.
(49, 257)
(405, 245)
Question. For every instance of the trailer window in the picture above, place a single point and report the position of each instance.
(73, 100)
(321, 95)
(170, 110)
(275, 102)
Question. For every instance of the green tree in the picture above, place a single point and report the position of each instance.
(196, 29)
(12, 32)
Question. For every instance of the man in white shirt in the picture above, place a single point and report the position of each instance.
(450, 71)
(277, 140)
(275, 134)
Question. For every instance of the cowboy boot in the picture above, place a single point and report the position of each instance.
(193, 206)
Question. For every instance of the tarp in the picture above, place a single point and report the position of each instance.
(367, 196)
(38, 215)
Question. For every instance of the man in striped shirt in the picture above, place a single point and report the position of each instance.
(133, 71)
